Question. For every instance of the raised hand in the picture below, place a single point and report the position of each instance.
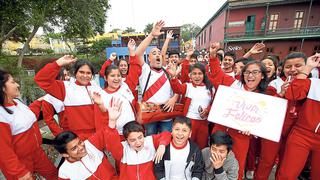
(156, 30)
(285, 86)
(213, 49)
(113, 56)
(313, 61)
(257, 48)
(159, 154)
(169, 34)
(114, 111)
(190, 51)
(131, 45)
(96, 98)
(172, 69)
(66, 60)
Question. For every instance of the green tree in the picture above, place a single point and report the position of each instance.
(115, 30)
(189, 31)
(100, 45)
(77, 19)
(12, 21)
(148, 28)
(129, 30)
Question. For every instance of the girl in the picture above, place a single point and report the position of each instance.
(196, 107)
(21, 154)
(253, 78)
(292, 65)
(116, 88)
(75, 95)
(271, 64)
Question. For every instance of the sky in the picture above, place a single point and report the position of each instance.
(138, 13)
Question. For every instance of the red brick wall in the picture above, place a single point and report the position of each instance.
(280, 48)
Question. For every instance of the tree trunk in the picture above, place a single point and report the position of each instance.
(5, 37)
(26, 45)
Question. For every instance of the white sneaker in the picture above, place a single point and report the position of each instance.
(249, 174)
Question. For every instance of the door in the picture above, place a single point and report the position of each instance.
(250, 23)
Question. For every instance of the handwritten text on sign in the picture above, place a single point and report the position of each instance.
(260, 114)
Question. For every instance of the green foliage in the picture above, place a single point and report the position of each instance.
(148, 28)
(29, 89)
(115, 30)
(129, 30)
(189, 31)
(100, 45)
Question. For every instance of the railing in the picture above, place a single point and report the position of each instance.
(283, 32)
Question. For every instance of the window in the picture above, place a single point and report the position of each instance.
(273, 22)
(269, 50)
(292, 49)
(205, 33)
(316, 49)
(298, 20)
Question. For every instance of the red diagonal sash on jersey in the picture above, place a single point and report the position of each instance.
(154, 88)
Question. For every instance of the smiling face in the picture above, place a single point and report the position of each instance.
(11, 89)
(75, 150)
(228, 62)
(271, 68)
(84, 75)
(174, 58)
(123, 67)
(196, 76)
(155, 58)
(292, 67)
(252, 76)
(136, 140)
(180, 134)
(113, 79)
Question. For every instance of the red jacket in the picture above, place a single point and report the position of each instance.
(49, 109)
(20, 137)
(137, 165)
(95, 164)
(308, 90)
(79, 107)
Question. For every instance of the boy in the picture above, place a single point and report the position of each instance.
(84, 159)
(137, 153)
(182, 158)
(220, 162)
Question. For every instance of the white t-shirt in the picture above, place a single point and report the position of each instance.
(178, 162)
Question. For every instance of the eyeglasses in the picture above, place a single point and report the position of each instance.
(254, 72)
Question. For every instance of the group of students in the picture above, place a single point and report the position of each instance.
(135, 126)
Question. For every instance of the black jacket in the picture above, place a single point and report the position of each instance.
(193, 169)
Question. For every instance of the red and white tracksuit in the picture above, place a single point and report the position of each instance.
(79, 108)
(241, 142)
(270, 149)
(305, 135)
(50, 107)
(95, 164)
(197, 96)
(132, 78)
(124, 93)
(20, 143)
(133, 164)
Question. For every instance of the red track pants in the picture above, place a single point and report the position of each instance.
(299, 144)
(200, 132)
